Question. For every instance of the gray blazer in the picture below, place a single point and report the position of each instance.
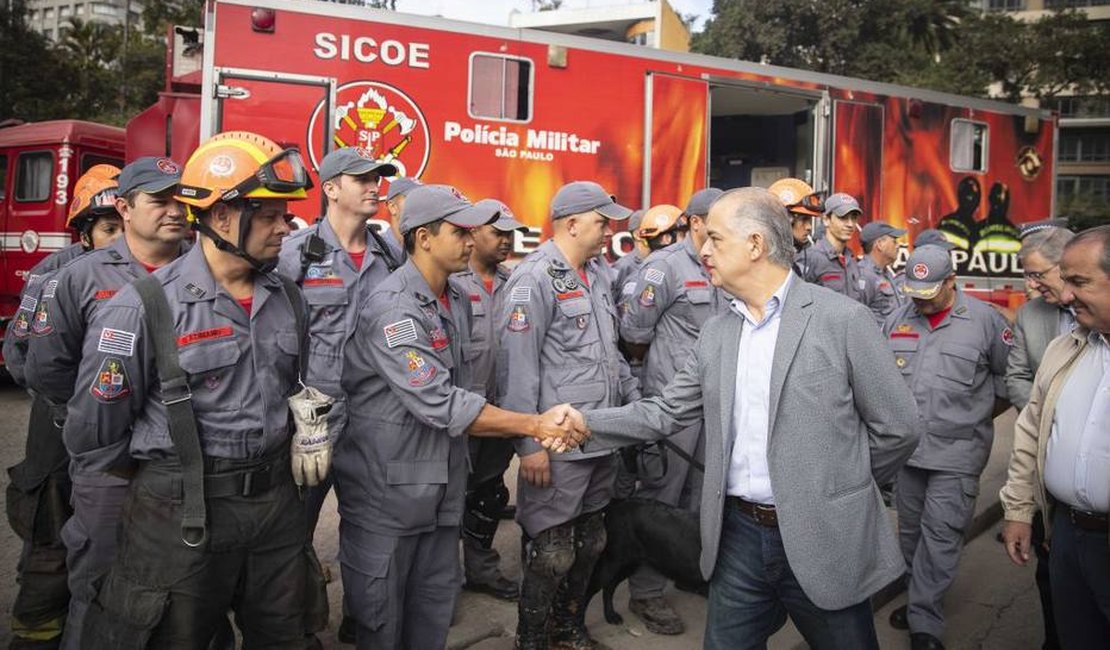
(842, 422)
(1037, 324)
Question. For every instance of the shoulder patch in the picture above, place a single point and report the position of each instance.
(518, 319)
(399, 333)
(654, 276)
(21, 326)
(113, 341)
(520, 294)
(111, 383)
(420, 372)
(41, 325)
(28, 303)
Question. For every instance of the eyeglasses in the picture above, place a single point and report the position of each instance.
(1038, 275)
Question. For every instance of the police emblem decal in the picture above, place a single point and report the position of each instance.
(111, 383)
(582, 322)
(920, 270)
(420, 373)
(41, 324)
(1008, 336)
(518, 319)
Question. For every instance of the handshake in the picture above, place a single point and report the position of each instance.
(560, 428)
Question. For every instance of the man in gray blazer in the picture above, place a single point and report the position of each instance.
(805, 415)
(1038, 322)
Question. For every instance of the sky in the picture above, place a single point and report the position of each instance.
(496, 12)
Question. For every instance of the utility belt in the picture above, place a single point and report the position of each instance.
(223, 477)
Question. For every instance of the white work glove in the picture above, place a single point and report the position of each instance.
(311, 449)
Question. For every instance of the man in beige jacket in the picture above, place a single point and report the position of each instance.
(1061, 456)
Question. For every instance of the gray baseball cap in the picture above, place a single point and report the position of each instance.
(926, 270)
(430, 203)
(150, 174)
(586, 196)
(933, 237)
(876, 229)
(701, 200)
(505, 220)
(841, 204)
(353, 161)
(401, 186)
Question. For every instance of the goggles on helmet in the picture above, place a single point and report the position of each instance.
(812, 202)
(282, 174)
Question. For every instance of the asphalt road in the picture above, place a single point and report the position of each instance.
(992, 605)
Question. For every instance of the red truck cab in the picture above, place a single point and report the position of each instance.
(39, 164)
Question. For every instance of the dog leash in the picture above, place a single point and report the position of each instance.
(682, 454)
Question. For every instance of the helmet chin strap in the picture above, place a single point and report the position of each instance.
(239, 251)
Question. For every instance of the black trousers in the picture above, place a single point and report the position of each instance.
(161, 593)
(1080, 577)
(38, 499)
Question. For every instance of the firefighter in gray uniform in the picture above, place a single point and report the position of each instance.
(395, 200)
(337, 262)
(486, 493)
(154, 230)
(829, 262)
(401, 467)
(952, 350)
(40, 488)
(672, 300)
(626, 268)
(558, 331)
(881, 291)
(187, 384)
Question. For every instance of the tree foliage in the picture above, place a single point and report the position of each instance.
(99, 72)
(938, 44)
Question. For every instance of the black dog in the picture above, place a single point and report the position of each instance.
(643, 531)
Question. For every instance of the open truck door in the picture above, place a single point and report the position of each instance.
(274, 104)
(759, 134)
(676, 132)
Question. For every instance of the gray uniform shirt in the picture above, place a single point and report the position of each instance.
(558, 342)
(241, 369)
(68, 303)
(481, 351)
(335, 291)
(821, 264)
(625, 271)
(19, 330)
(402, 468)
(671, 300)
(881, 292)
(955, 373)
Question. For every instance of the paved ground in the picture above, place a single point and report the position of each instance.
(992, 605)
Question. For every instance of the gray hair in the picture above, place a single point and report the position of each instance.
(754, 209)
(1049, 243)
(1098, 234)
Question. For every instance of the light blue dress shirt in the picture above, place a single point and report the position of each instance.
(748, 474)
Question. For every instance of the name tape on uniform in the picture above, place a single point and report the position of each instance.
(399, 333)
(114, 341)
(654, 276)
(520, 294)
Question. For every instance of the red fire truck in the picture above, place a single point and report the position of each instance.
(39, 163)
(514, 114)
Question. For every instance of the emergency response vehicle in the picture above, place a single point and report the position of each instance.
(514, 114)
(39, 164)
